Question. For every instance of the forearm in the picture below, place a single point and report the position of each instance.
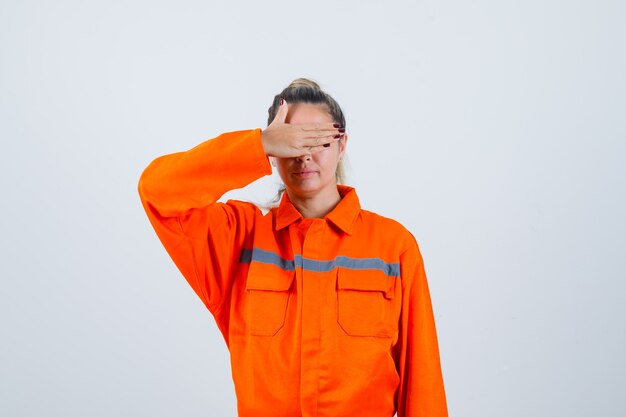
(175, 183)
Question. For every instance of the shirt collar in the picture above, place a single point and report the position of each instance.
(343, 216)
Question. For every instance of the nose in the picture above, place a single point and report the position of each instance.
(304, 158)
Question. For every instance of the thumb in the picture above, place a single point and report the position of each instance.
(281, 114)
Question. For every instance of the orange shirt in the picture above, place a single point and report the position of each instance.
(322, 317)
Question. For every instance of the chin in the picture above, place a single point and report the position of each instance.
(309, 186)
(305, 191)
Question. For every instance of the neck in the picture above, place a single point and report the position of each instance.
(317, 205)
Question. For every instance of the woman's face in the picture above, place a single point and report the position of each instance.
(308, 175)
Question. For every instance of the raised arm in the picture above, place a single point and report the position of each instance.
(179, 193)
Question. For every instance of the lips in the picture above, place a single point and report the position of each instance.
(304, 173)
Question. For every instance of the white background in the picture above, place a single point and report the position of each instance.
(494, 130)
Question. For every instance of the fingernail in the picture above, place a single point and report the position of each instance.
(281, 101)
(342, 130)
(337, 136)
(326, 145)
(336, 125)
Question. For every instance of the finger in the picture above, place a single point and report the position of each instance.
(314, 149)
(281, 114)
(312, 135)
(321, 127)
(322, 140)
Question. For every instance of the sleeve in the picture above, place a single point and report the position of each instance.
(179, 193)
(421, 392)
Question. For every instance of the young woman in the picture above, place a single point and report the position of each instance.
(324, 306)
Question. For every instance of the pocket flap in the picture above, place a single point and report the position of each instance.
(365, 280)
(280, 281)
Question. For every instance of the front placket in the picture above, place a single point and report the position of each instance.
(312, 293)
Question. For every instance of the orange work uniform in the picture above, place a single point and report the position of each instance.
(322, 317)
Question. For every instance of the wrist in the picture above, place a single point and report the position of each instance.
(266, 142)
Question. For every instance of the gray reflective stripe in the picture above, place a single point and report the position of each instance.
(392, 270)
(246, 256)
(266, 257)
(271, 258)
(314, 265)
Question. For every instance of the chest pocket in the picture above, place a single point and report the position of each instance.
(365, 302)
(268, 291)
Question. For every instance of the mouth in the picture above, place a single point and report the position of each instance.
(304, 173)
